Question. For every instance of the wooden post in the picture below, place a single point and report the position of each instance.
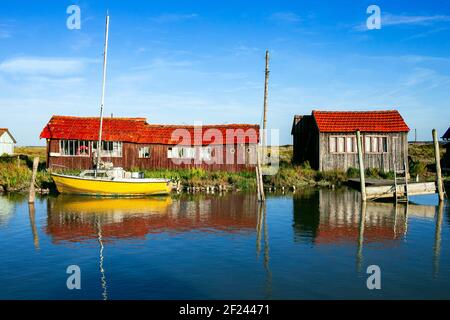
(437, 155)
(32, 194)
(361, 166)
(266, 93)
(259, 180)
(18, 162)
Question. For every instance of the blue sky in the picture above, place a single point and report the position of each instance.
(185, 61)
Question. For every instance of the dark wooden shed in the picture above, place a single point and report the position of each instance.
(133, 143)
(327, 139)
(446, 158)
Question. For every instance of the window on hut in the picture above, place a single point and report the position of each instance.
(144, 152)
(375, 144)
(111, 149)
(206, 153)
(74, 148)
(342, 144)
(181, 152)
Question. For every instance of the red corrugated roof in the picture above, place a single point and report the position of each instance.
(137, 130)
(365, 121)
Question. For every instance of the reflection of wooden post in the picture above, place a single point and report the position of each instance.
(361, 166)
(362, 222)
(437, 239)
(437, 156)
(32, 194)
(31, 213)
(259, 226)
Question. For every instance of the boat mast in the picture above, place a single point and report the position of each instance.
(105, 54)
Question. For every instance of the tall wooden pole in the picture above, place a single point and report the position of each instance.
(266, 92)
(437, 155)
(361, 166)
(32, 192)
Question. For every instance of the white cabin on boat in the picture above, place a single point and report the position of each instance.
(7, 142)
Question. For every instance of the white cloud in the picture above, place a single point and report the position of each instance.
(392, 20)
(4, 31)
(42, 66)
(4, 34)
(290, 17)
(168, 18)
(388, 19)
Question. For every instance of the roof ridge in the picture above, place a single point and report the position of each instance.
(104, 118)
(356, 111)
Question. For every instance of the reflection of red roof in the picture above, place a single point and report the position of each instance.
(137, 130)
(139, 226)
(365, 121)
(329, 234)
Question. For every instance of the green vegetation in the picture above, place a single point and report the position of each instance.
(15, 175)
(32, 152)
(200, 178)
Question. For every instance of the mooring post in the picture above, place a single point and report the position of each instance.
(361, 166)
(437, 156)
(32, 194)
(259, 178)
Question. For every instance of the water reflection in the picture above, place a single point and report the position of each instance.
(32, 216)
(263, 232)
(76, 219)
(437, 239)
(338, 217)
(6, 210)
(330, 217)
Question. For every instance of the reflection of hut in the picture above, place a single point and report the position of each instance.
(70, 219)
(6, 210)
(333, 216)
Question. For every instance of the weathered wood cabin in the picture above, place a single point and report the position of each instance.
(327, 139)
(7, 142)
(133, 143)
(446, 158)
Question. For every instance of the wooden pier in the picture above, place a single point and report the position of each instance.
(383, 188)
(399, 189)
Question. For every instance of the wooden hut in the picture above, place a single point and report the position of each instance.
(446, 158)
(133, 143)
(327, 139)
(7, 142)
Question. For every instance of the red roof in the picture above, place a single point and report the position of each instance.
(137, 130)
(3, 130)
(364, 121)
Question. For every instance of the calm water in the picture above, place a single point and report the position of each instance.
(310, 245)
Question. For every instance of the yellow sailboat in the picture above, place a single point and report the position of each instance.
(105, 180)
(107, 184)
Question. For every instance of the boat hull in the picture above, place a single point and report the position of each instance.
(88, 186)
